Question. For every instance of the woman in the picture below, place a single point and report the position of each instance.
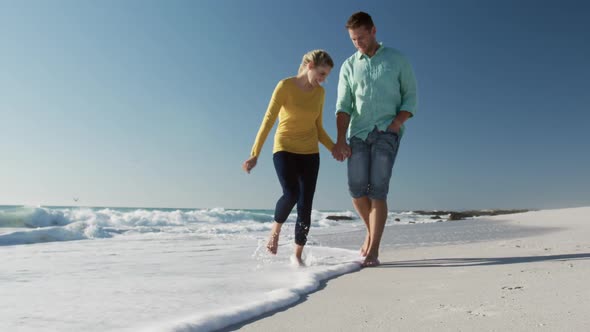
(298, 102)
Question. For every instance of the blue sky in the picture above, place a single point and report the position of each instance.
(157, 103)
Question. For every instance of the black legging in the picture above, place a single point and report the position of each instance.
(298, 174)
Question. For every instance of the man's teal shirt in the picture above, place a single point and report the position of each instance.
(372, 90)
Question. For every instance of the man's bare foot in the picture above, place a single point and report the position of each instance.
(297, 261)
(370, 262)
(365, 247)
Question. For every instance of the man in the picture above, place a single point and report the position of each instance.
(376, 95)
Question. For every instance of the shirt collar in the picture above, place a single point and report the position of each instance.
(359, 55)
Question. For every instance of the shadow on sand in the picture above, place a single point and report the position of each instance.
(463, 262)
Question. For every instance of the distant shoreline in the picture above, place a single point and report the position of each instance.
(453, 215)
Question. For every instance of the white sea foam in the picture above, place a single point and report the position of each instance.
(155, 281)
(28, 225)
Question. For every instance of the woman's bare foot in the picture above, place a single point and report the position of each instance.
(370, 261)
(273, 240)
(273, 243)
(296, 258)
(365, 247)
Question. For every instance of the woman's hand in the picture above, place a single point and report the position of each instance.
(249, 164)
(341, 151)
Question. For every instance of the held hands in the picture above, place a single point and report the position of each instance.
(249, 164)
(341, 151)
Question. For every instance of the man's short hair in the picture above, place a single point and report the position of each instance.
(360, 19)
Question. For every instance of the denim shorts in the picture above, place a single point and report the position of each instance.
(371, 163)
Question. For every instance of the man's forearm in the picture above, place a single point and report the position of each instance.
(342, 121)
(401, 117)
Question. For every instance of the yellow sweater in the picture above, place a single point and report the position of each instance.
(300, 120)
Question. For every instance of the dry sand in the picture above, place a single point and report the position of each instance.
(532, 282)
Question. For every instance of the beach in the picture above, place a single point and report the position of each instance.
(189, 270)
(528, 277)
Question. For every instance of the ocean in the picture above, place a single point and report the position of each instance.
(133, 269)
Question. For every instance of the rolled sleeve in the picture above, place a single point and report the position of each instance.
(344, 99)
(408, 89)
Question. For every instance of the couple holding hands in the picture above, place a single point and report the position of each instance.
(376, 95)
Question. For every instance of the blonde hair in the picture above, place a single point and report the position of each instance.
(318, 57)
